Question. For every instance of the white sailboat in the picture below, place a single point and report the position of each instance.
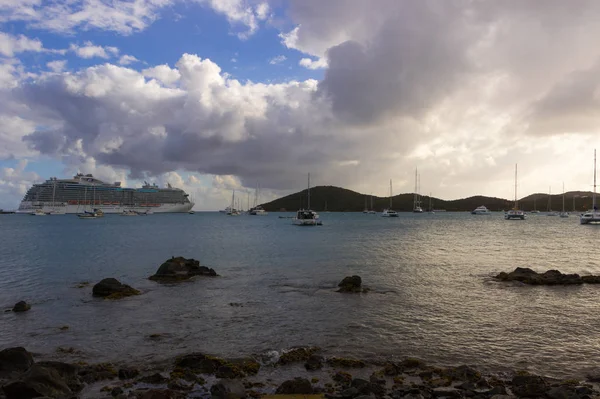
(232, 211)
(592, 216)
(431, 211)
(371, 210)
(564, 214)
(389, 213)
(307, 217)
(417, 201)
(366, 210)
(515, 213)
(550, 211)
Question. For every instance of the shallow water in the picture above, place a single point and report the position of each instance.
(432, 293)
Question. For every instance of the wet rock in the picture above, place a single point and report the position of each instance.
(68, 372)
(228, 389)
(128, 373)
(200, 363)
(229, 371)
(363, 386)
(463, 373)
(295, 355)
(447, 392)
(111, 288)
(590, 279)
(562, 392)
(21, 306)
(97, 372)
(410, 364)
(529, 385)
(299, 386)
(161, 394)
(345, 363)
(177, 269)
(314, 362)
(342, 378)
(551, 277)
(349, 393)
(497, 390)
(154, 379)
(247, 365)
(38, 381)
(351, 284)
(116, 391)
(14, 360)
(583, 390)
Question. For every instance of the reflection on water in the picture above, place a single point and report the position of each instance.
(432, 293)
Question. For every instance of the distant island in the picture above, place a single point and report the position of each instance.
(337, 199)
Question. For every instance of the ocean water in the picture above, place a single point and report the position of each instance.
(432, 292)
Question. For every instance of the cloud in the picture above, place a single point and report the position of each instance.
(57, 66)
(240, 13)
(124, 17)
(14, 183)
(90, 50)
(163, 73)
(127, 59)
(312, 64)
(11, 45)
(277, 60)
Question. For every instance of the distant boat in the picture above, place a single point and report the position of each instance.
(564, 214)
(481, 210)
(232, 210)
(191, 212)
(550, 211)
(3, 212)
(431, 211)
(371, 210)
(129, 212)
(515, 213)
(592, 216)
(366, 210)
(417, 200)
(38, 212)
(226, 210)
(534, 208)
(307, 217)
(389, 213)
(258, 211)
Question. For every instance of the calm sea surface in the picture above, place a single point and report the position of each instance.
(432, 293)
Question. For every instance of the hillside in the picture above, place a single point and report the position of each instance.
(337, 199)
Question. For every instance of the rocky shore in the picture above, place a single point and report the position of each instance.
(302, 371)
(551, 277)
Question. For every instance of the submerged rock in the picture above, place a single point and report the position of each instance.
(297, 386)
(228, 389)
(180, 268)
(551, 277)
(314, 362)
(111, 288)
(296, 355)
(21, 306)
(14, 360)
(351, 284)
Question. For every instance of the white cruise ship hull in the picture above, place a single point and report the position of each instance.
(61, 209)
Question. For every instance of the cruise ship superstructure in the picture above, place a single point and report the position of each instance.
(85, 192)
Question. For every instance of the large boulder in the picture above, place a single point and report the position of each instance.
(68, 372)
(297, 386)
(14, 360)
(111, 288)
(551, 277)
(228, 389)
(177, 269)
(36, 382)
(529, 386)
(21, 306)
(351, 284)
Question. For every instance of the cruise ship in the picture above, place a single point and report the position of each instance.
(85, 192)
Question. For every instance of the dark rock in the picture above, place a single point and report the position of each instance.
(14, 360)
(551, 277)
(247, 365)
(497, 390)
(116, 391)
(295, 355)
(447, 393)
(410, 364)
(97, 372)
(529, 385)
(21, 306)
(177, 269)
(562, 392)
(112, 288)
(161, 394)
(299, 386)
(365, 397)
(179, 386)
(351, 284)
(68, 372)
(349, 393)
(591, 279)
(128, 373)
(464, 373)
(36, 382)
(314, 362)
(200, 363)
(342, 378)
(363, 386)
(345, 363)
(583, 390)
(154, 379)
(229, 371)
(228, 389)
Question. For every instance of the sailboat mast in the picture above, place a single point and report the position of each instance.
(416, 190)
(371, 201)
(563, 197)
(308, 207)
(390, 193)
(516, 203)
(594, 195)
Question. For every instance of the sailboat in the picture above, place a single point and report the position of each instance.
(232, 211)
(431, 211)
(564, 214)
(417, 201)
(307, 217)
(371, 210)
(534, 207)
(550, 211)
(515, 213)
(389, 213)
(86, 214)
(592, 216)
(366, 210)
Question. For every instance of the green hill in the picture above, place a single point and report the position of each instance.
(337, 199)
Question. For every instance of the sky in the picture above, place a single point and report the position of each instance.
(216, 95)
